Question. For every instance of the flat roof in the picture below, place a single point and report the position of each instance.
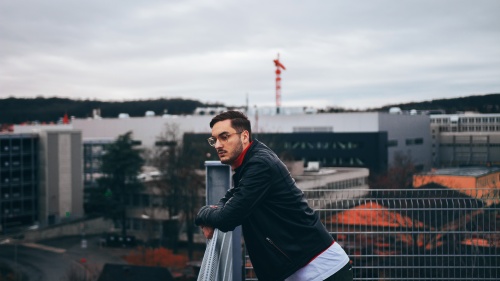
(466, 171)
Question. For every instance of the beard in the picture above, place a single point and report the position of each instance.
(230, 156)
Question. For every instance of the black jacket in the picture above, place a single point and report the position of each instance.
(282, 233)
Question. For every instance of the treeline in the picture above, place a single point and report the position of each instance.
(483, 104)
(19, 110)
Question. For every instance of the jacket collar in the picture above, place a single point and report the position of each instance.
(241, 157)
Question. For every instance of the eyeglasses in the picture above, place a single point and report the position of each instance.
(224, 137)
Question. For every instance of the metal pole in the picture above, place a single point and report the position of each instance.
(218, 181)
(161, 233)
(15, 260)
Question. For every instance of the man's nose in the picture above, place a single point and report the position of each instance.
(218, 143)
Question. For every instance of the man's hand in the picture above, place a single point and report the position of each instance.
(208, 231)
(202, 214)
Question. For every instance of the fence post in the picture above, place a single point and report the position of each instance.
(218, 181)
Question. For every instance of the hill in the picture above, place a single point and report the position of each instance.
(17, 110)
(483, 104)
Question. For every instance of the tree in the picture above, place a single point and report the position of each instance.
(181, 184)
(156, 257)
(120, 167)
(398, 176)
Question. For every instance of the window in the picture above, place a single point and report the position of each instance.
(136, 142)
(392, 143)
(416, 141)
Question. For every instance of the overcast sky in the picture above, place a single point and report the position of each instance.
(354, 54)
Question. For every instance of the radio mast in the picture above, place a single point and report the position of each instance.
(279, 66)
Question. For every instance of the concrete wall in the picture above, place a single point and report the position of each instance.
(403, 127)
(61, 176)
(147, 130)
(89, 227)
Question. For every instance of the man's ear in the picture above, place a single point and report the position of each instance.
(247, 136)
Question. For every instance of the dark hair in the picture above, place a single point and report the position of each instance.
(239, 121)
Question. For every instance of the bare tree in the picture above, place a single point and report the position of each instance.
(397, 176)
(180, 183)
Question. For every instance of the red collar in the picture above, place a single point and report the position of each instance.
(240, 158)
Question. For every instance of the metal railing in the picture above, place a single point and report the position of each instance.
(413, 234)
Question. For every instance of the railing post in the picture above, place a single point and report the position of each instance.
(218, 181)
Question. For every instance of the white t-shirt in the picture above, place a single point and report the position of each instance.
(323, 266)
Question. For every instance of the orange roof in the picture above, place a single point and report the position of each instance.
(373, 214)
(477, 242)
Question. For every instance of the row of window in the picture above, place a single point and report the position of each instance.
(469, 145)
(470, 128)
(347, 183)
(480, 120)
(17, 207)
(343, 145)
(416, 141)
(408, 142)
(337, 161)
(475, 120)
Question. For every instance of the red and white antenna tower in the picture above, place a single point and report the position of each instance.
(278, 82)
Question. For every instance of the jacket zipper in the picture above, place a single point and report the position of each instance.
(277, 248)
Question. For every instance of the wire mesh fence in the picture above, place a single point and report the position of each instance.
(413, 234)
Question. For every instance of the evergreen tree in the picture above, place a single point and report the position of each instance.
(121, 165)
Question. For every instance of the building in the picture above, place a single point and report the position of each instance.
(60, 190)
(328, 186)
(349, 140)
(19, 167)
(465, 139)
(476, 182)
(392, 133)
(57, 177)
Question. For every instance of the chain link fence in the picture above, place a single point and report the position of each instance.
(434, 233)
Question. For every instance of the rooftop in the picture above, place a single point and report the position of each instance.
(466, 171)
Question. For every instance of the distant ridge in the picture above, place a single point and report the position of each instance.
(19, 110)
(483, 104)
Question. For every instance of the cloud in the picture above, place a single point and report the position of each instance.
(355, 54)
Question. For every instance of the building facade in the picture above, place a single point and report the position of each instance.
(476, 182)
(60, 195)
(18, 180)
(465, 139)
(58, 173)
(405, 134)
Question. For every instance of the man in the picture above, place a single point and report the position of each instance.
(284, 237)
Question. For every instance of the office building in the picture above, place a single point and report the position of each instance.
(18, 181)
(59, 171)
(388, 134)
(467, 139)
